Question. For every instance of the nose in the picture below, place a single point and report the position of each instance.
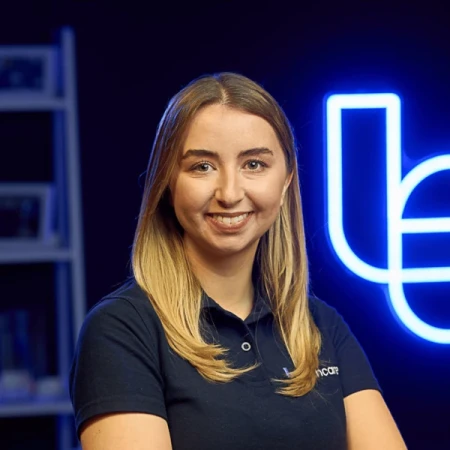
(229, 190)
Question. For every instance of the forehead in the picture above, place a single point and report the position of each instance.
(215, 126)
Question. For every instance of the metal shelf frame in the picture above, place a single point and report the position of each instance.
(36, 408)
(68, 257)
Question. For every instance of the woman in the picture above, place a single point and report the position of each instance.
(214, 342)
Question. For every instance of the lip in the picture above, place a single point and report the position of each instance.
(235, 214)
(228, 228)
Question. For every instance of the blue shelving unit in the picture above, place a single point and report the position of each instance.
(58, 97)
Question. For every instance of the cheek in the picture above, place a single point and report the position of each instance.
(268, 196)
(188, 199)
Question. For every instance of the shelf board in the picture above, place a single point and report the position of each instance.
(35, 408)
(24, 255)
(28, 103)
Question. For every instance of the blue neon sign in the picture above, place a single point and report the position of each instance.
(398, 193)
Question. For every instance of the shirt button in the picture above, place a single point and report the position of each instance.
(246, 346)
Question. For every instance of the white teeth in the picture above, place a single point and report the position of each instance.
(229, 220)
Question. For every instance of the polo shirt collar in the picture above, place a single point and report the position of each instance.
(261, 305)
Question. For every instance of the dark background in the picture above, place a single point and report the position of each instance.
(131, 59)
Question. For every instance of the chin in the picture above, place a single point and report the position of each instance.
(233, 250)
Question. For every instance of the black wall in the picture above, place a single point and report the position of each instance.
(131, 60)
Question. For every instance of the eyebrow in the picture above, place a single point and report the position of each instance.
(210, 154)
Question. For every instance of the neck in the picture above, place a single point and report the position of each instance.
(227, 280)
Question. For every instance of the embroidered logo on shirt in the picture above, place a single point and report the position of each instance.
(331, 370)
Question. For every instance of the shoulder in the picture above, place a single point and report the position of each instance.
(333, 327)
(336, 334)
(327, 318)
(117, 362)
(341, 346)
(126, 314)
(127, 302)
(128, 294)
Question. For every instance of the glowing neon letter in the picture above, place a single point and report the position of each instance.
(399, 190)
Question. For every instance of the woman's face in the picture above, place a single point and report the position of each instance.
(230, 183)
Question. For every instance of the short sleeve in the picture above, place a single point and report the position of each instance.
(115, 367)
(355, 371)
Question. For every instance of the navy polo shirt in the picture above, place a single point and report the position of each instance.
(123, 363)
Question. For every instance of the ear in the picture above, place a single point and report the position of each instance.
(285, 187)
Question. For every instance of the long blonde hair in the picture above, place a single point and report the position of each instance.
(160, 265)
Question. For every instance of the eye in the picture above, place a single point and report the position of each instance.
(256, 164)
(201, 167)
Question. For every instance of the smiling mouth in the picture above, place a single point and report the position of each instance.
(229, 220)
